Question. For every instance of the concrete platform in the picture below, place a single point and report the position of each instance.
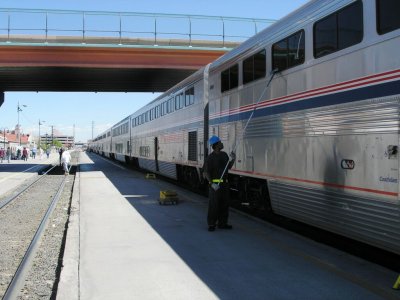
(15, 172)
(121, 244)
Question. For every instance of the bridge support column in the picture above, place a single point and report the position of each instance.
(1, 98)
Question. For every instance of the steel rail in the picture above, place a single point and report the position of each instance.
(13, 197)
(18, 280)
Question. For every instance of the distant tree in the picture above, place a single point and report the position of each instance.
(57, 143)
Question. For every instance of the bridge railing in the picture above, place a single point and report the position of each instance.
(125, 29)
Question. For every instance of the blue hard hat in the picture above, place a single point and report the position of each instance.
(213, 140)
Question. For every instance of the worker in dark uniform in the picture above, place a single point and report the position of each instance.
(214, 166)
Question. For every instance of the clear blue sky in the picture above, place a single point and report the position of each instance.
(63, 110)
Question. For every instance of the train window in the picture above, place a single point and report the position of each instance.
(289, 52)
(171, 105)
(254, 67)
(144, 151)
(162, 109)
(179, 101)
(339, 30)
(189, 96)
(387, 15)
(158, 109)
(230, 78)
(119, 148)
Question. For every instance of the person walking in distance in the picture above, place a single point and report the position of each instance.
(60, 152)
(25, 154)
(218, 193)
(34, 152)
(8, 154)
(65, 159)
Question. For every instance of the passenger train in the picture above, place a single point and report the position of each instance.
(322, 144)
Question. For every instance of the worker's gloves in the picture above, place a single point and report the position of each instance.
(233, 156)
(215, 186)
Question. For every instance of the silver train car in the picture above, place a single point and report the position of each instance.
(323, 85)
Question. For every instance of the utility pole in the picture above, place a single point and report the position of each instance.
(52, 136)
(19, 127)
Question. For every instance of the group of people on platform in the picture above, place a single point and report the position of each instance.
(22, 153)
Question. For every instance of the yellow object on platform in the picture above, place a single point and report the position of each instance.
(168, 196)
(397, 284)
(150, 176)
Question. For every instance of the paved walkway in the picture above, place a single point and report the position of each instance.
(122, 244)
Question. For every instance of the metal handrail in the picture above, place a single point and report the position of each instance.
(118, 27)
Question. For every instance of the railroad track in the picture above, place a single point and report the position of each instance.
(24, 218)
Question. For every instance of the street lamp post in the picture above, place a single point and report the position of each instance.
(19, 127)
(40, 145)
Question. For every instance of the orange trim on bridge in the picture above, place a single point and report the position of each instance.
(106, 57)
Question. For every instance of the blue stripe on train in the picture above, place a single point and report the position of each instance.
(370, 92)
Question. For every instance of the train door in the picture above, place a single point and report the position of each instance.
(192, 146)
(156, 153)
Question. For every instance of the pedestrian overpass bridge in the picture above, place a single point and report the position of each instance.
(54, 50)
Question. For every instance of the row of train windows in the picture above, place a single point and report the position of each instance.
(333, 33)
(102, 136)
(178, 102)
(121, 129)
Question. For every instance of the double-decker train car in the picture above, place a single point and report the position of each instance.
(311, 107)
(102, 144)
(121, 140)
(167, 134)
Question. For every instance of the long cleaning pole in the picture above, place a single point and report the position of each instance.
(248, 120)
